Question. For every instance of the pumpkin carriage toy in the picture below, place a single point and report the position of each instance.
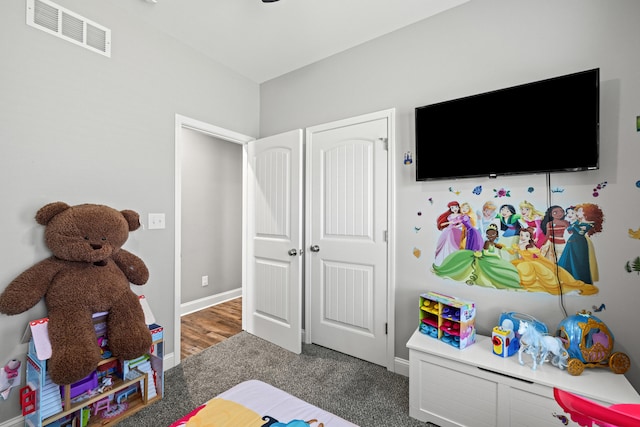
(590, 344)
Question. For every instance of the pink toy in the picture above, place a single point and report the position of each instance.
(102, 404)
(585, 412)
(9, 377)
(11, 368)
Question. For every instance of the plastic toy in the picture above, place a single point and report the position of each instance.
(504, 341)
(540, 346)
(590, 344)
(102, 404)
(585, 412)
(510, 321)
(106, 384)
(114, 411)
(86, 384)
(124, 394)
(9, 377)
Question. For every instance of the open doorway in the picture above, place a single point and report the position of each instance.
(209, 194)
(209, 326)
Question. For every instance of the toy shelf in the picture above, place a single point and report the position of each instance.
(134, 384)
(430, 315)
(447, 319)
(76, 406)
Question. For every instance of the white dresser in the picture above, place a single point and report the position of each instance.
(474, 387)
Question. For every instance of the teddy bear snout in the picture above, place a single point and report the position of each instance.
(96, 246)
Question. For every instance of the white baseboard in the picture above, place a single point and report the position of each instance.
(202, 303)
(401, 366)
(168, 362)
(14, 422)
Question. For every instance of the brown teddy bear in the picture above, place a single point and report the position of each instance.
(89, 272)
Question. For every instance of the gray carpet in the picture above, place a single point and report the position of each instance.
(363, 393)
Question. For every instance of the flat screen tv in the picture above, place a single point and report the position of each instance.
(546, 126)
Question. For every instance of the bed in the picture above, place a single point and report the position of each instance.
(254, 403)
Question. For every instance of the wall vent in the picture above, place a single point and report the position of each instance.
(53, 19)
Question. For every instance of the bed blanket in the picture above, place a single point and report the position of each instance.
(254, 403)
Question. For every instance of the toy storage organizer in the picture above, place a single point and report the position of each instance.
(115, 390)
(448, 319)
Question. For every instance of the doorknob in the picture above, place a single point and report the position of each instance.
(293, 252)
(315, 248)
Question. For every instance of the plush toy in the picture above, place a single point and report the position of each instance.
(89, 272)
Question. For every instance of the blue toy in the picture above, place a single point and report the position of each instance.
(539, 346)
(590, 344)
(509, 323)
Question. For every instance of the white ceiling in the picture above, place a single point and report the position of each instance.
(265, 40)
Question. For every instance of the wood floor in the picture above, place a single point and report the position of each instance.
(209, 326)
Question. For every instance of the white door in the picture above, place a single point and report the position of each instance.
(275, 232)
(346, 236)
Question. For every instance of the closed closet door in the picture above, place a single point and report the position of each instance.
(346, 235)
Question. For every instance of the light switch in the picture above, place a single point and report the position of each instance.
(156, 221)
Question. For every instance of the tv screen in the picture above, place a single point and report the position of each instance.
(550, 125)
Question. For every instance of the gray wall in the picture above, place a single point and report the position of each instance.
(477, 47)
(211, 216)
(79, 127)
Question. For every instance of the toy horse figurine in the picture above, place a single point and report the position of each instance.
(539, 346)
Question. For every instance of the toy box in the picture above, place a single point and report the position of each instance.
(448, 319)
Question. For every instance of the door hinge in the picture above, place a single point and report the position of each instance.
(385, 143)
(386, 236)
(386, 329)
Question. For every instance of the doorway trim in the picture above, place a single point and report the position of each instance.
(231, 136)
(183, 122)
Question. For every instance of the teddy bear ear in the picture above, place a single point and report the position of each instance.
(132, 218)
(47, 212)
